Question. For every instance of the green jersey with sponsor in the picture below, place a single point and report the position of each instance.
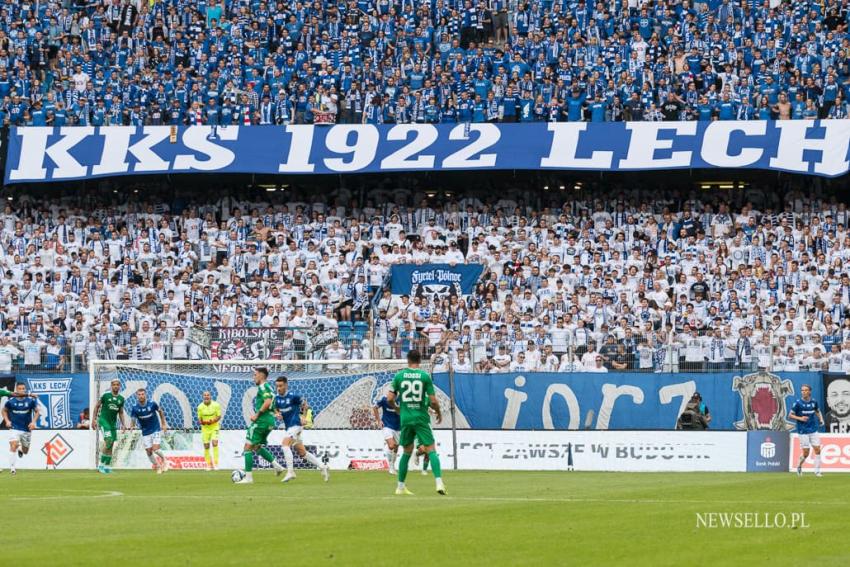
(110, 406)
(264, 392)
(413, 387)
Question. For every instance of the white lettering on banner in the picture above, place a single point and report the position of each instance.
(489, 135)
(793, 142)
(562, 152)
(424, 135)
(298, 159)
(515, 400)
(34, 149)
(683, 390)
(644, 142)
(199, 138)
(610, 393)
(572, 405)
(116, 145)
(439, 276)
(834, 454)
(362, 150)
(715, 143)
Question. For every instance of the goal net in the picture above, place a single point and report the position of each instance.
(341, 394)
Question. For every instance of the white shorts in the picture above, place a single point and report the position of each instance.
(390, 433)
(153, 439)
(293, 433)
(24, 438)
(809, 440)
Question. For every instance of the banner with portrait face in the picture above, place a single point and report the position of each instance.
(836, 407)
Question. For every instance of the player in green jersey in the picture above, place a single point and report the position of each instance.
(262, 423)
(413, 393)
(107, 411)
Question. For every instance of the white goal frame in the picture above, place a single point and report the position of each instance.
(343, 367)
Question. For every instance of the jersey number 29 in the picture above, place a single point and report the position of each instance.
(411, 391)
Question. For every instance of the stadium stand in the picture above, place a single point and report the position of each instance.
(93, 63)
(626, 280)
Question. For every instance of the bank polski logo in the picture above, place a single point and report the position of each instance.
(768, 448)
(54, 400)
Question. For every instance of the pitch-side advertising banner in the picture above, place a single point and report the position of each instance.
(66, 449)
(835, 453)
(43, 154)
(633, 451)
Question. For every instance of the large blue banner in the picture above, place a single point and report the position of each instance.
(434, 279)
(38, 154)
(759, 400)
(625, 400)
(61, 397)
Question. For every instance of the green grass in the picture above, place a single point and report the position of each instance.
(488, 518)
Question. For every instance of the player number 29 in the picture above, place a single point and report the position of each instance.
(411, 391)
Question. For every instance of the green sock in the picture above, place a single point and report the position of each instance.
(402, 467)
(435, 464)
(425, 461)
(249, 461)
(107, 459)
(266, 454)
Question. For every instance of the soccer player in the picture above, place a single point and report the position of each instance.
(804, 411)
(209, 416)
(288, 408)
(152, 423)
(20, 414)
(414, 390)
(262, 423)
(112, 404)
(389, 422)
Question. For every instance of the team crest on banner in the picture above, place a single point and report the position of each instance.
(763, 401)
(434, 281)
(54, 401)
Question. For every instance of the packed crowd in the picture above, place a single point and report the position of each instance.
(135, 62)
(628, 280)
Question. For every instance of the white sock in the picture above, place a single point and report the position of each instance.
(152, 458)
(290, 460)
(13, 457)
(394, 456)
(801, 461)
(313, 459)
(401, 485)
(817, 463)
(389, 455)
(160, 454)
(249, 475)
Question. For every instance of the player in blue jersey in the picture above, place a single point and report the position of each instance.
(390, 423)
(288, 408)
(21, 415)
(806, 413)
(152, 423)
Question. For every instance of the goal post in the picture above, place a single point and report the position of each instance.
(341, 394)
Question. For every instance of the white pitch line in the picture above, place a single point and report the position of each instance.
(102, 494)
(493, 499)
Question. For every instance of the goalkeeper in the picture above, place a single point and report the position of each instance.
(209, 416)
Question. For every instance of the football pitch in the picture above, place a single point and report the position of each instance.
(488, 518)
